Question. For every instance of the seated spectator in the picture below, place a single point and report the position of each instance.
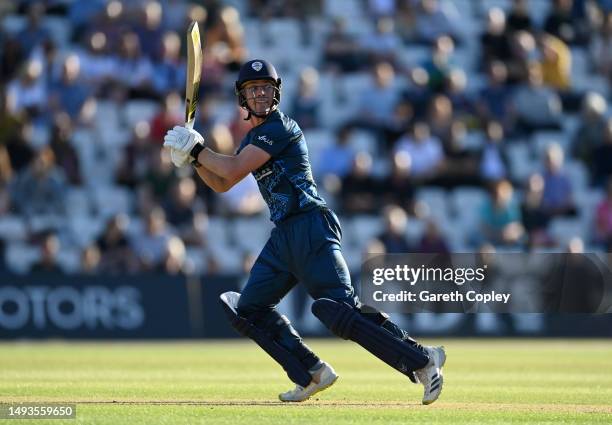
(40, 188)
(170, 115)
(462, 104)
(27, 93)
(603, 219)
(134, 68)
(382, 44)
(359, 188)
(439, 65)
(494, 99)
(495, 41)
(601, 163)
(398, 188)
(134, 161)
(600, 48)
(337, 159)
(34, 33)
(425, 151)
(535, 220)
(563, 23)
(535, 106)
(460, 163)
(185, 212)
(225, 37)
(440, 118)
(6, 170)
(341, 52)
(436, 18)
(148, 28)
(90, 260)
(169, 69)
(70, 93)
(306, 101)
(174, 259)
(556, 63)
(519, 18)
(432, 240)
(393, 236)
(117, 256)
(500, 216)
(494, 164)
(66, 156)
(377, 100)
(557, 197)
(591, 132)
(524, 55)
(48, 263)
(151, 241)
(96, 61)
(161, 174)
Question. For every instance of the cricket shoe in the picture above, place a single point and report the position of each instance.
(431, 375)
(322, 378)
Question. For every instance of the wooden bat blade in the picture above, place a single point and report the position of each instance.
(194, 71)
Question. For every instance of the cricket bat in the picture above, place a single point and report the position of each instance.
(194, 71)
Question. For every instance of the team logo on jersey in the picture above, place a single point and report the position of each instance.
(264, 139)
(263, 172)
(257, 66)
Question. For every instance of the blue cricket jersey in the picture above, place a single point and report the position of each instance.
(285, 181)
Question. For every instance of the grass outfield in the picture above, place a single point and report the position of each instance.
(486, 381)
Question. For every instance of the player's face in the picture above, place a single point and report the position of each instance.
(259, 95)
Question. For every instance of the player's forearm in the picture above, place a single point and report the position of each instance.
(224, 166)
(215, 182)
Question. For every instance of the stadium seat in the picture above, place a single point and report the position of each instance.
(139, 110)
(563, 229)
(20, 256)
(362, 229)
(111, 200)
(13, 228)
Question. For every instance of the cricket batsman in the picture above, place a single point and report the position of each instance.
(304, 246)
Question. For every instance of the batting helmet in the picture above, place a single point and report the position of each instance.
(257, 69)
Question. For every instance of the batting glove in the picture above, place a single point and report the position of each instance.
(185, 144)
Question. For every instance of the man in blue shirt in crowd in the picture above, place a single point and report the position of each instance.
(304, 246)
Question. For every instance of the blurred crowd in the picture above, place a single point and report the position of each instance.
(433, 126)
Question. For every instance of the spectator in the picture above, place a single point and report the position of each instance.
(49, 249)
(40, 188)
(398, 188)
(337, 159)
(564, 24)
(160, 174)
(66, 156)
(393, 236)
(69, 94)
(535, 220)
(535, 106)
(432, 240)
(6, 170)
(150, 242)
(383, 44)
(185, 212)
(225, 36)
(603, 219)
(524, 55)
(601, 163)
(424, 149)
(306, 101)
(591, 132)
(601, 48)
(377, 101)
(149, 29)
(501, 217)
(169, 66)
(90, 260)
(134, 162)
(27, 93)
(440, 63)
(12, 56)
(440, 115)
(33, 34)
(116, 253)
(519, 18)
(174, 259)
(556, 63)
(493, 160)
(494, 99)
(359, 188)
(135, 69)
(436, 18)
(170, 115)
(557, 196)
(341, 52)
(495, 41)
(97, 65)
